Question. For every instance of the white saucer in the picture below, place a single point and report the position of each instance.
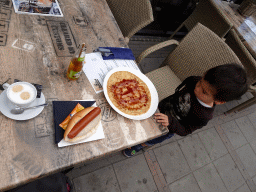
(6, 106)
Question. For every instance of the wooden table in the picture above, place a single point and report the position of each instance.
(246, 32)
(27, 148)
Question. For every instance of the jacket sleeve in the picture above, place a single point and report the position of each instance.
(182, 130)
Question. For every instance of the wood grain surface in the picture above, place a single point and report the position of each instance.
(27, 148)
(240, 22)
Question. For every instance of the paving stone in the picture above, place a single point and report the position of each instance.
(133, 174)
(229, 172)
(220, 109)
(253, 145)
(247, 128)
(102, 180)
(156, 171)
(185, 184)
(172, 139)
(213, 143)
(249, 95)
(234, 134)
(231, 104)
(172, 162)
(209, 180)
(216, 121)
(254, 179)
(116, 157)
(138, 47)
(208, 126)
(177, 137)
(194, 151)
(146, 64)
(248, 159)
(252, 117)
(243, 188)
(237, 115)
(243, 99)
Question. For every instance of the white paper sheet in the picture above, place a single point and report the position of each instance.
(98, 135)
(95, 68)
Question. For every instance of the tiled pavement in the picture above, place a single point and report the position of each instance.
(221, 157)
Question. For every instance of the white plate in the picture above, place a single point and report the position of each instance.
(6, 107)
(151, 87)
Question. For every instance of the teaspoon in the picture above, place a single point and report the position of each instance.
(19, 110)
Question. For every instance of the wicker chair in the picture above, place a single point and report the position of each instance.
(234, 42)
(131, 15)
(199, 50)
(207, 13)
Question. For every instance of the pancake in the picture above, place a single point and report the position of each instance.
(128, 93)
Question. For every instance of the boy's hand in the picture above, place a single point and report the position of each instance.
(162, 118)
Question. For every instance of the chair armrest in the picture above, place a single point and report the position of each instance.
(155, 48)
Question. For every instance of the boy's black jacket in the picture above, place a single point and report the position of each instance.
(185, 113)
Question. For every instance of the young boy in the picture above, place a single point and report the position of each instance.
(193, 103)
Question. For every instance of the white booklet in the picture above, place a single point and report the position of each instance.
(95, 68)
(38, 7)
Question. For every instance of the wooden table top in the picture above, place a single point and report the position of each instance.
(244, 26)
(28, 150)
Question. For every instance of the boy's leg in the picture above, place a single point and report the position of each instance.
(129, 152)
(132, 151)
(162, 108)
(159, 139)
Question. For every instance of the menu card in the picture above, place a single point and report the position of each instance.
(96, 68)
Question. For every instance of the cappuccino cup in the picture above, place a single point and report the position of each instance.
(21, 94)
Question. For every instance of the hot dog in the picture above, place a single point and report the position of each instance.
(83, 124)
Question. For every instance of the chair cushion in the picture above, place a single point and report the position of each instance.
(164, 80)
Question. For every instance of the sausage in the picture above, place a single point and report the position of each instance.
(80, 125)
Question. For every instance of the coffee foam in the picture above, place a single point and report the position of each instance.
(15, 96)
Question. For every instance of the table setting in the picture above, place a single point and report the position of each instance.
(12, 109)
(38, 50)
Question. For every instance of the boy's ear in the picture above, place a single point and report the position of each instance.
(219, 102)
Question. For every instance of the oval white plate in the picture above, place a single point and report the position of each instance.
(145, 79)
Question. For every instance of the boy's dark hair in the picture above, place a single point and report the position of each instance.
(229, 81)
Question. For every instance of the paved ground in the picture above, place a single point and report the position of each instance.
(221, 157)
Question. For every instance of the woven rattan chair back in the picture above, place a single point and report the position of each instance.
(208, 14)
(200, 50)
(131, 15)
(234, 42)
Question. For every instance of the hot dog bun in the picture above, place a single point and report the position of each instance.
(86, 131)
